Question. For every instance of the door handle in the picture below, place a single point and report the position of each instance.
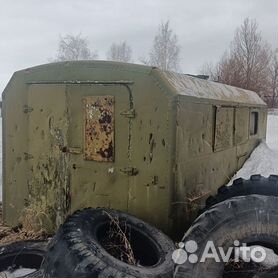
(72, 150)
(129, 171)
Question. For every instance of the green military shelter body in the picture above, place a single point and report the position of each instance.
(129, 137)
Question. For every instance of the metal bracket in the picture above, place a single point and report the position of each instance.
(129, 113)
(75, 150)
(27, 109)
(28, 156)
(71, 150)
(130, 171)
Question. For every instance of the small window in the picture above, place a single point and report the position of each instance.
(254, 120)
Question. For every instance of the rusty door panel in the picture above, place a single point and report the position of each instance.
(224, 128)
(99, 142)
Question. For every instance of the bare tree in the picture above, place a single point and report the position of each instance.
(251, 56)
(210, 70)
(74, 47)
(246, 64)
(272, 99)
(120, 52)
(224, 71)
(165, 51)
(228, 71)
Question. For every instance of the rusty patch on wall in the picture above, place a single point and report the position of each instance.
(99, 128)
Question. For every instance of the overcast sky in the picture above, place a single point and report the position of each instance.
(30, 29)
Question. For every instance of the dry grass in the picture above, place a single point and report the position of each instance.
(242, 269)
(9, 235)
(117, 241)
(34, 219)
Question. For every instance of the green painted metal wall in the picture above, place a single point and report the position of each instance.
(170, 150)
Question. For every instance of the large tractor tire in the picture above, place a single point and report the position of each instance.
(273, 273)
(255, 185)
(22, 254)
(249, 219)
(108, 243)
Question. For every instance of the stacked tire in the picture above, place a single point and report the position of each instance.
(78, 249)
(257, 184)
(22, 254)
(109, 243)
(246, 212)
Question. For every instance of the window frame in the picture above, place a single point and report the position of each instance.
(254, 123)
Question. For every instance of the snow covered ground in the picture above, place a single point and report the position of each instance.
(17, 273)
(264, 159)
(272, 133)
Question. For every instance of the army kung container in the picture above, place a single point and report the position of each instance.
(131, 137)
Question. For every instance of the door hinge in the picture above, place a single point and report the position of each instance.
(71, 150)
(27, 109)
(130, 171)
(75, 150)
(129, 113)
(28, 156)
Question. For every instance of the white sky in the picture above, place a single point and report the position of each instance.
(30, 29)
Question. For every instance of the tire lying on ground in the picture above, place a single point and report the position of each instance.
(108, 243)
(251, 219)
(272, 273)
(23, 254)
(242, 187)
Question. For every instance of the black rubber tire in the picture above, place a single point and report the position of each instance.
(76, 251)
(250, 219)
(255, 185)
(27, 254)
(273, 273)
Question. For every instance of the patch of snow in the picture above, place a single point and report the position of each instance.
(272, 131)
(17, 273)
(264, 159)
(270, 261)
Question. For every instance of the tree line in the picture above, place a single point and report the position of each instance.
(164, 53)
(249, 63)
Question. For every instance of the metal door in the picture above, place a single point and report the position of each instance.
(99, 145)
